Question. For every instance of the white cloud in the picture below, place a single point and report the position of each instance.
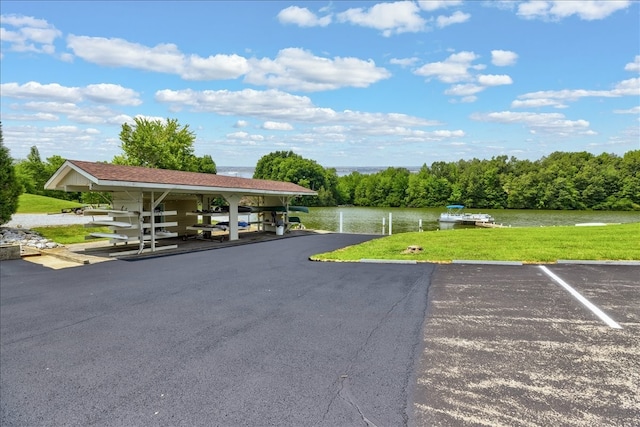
(298, 69)
(588, 10)
(458, 68)
(557, 98)
(215, 67)
(548, 123)
(270, 125)
(502, 58)
(633, 66)
(431, 5)
(453, 69)
(633, 110)
(390, 18)
(448, 134)
(96, 114)
(469, 99)
(537, 103)
(494, 80)
(241, 124)
(62, 129)
(162, 58)
(38, 117)
(104, 93)
(245, 136)
(302, 17)
(35, 90)
(110, 94)
(457, 18)
(293, 68)
(404, 62)
(464, 90)
(117, 52)
(630, 87)
(29, 34)
(278, 106)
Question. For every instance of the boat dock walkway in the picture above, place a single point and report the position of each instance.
(490, 225)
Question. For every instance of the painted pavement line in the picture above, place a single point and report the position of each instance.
(606, 319)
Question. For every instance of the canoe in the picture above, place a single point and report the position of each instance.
(280, 209)
(110, 236)
(107, 223)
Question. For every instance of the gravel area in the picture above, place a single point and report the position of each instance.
(44, 220)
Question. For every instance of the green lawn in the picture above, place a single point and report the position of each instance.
(69, 234)
(527, 244)
(31, 203)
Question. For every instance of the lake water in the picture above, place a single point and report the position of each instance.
(370, 220)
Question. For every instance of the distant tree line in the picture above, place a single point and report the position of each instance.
(561, 180)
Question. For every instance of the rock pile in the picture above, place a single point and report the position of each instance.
(25, 237)
(413, 249)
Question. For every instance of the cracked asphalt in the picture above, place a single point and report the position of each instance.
(253, 335)
(507, 346)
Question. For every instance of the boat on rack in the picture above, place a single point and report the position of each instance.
(455, 215)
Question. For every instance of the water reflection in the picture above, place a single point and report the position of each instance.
(376, 220)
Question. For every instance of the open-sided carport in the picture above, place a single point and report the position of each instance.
(151, 204)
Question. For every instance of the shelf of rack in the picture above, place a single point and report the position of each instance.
(158, 213)
(110, 212)
(160, 224)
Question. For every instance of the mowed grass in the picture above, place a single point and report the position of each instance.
(69, 234)
(31, 203)
(64, 234)
(526, 244)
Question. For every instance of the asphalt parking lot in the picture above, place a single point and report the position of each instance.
(250, 335)
(509, 346)
(256, 335)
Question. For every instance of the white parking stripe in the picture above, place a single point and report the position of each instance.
(606, 319)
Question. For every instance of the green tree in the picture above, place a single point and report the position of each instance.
(205, 164)
(290, 167)
(10, 188)
(33, 174)
(161, 145)
(628, 197)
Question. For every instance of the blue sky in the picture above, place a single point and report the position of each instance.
(342, 83)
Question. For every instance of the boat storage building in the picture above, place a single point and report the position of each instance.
(151, 204)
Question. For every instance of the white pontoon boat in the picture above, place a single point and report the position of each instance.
(455, 215)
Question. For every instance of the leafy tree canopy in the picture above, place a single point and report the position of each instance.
(10, 188)
(33, 173)
(290, 167)
(559, 181)
(161, 145)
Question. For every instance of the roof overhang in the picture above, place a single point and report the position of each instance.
(72, 178)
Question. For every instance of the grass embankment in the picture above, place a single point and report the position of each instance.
(69, 234)
(31, 203)
(64, 234)
(526, 244)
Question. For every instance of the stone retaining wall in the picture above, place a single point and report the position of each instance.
(9, 251)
